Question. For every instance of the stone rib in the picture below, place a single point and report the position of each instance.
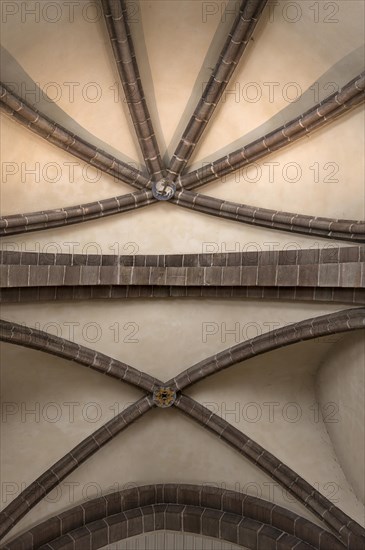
(346, 529)
(24, 336)
(197, 501)
(47, 219)
(53, 133)
(315, 327)
(330, 274)
(60, 293)
(332, 228)
(329, 254)
(37, 490)
(229, 527)
(335, 275)
(237, 40)
(339, 103)
(116, 17)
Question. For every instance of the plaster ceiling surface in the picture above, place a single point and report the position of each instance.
(259, 397)
(299, 54)
(175, 541)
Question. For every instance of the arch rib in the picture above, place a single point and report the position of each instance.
(330, 228)
(37, 490)
(346, 529)
(117, 505)
(116, 18)
(26, 115)
(315, 327)
(230, 55)
(21, 335)
(336, 105)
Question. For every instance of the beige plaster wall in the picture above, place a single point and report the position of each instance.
(341, 381)
(172, 335)
(163, 338)
(328, 165)
(173, 541)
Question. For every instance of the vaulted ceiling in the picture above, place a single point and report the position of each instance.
(242, 310)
